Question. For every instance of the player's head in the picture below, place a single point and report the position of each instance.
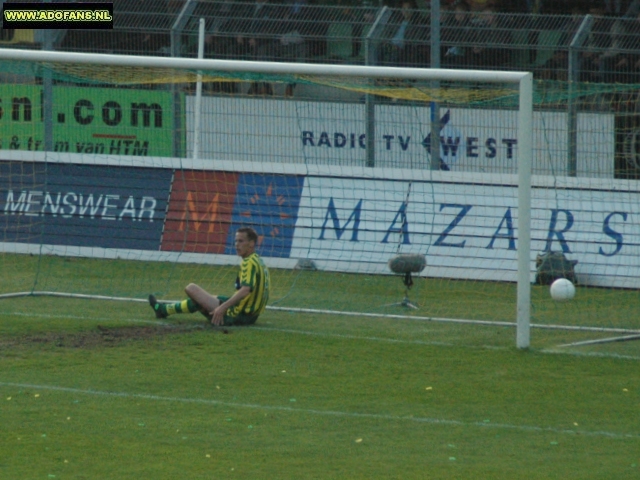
(246, 239)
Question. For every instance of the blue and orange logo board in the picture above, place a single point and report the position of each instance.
(206, 208)
(199, 211)
(269, 204)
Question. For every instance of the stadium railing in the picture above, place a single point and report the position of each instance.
(579, 62)
(336, 34)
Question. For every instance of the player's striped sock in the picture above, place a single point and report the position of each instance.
(185, 306)
(161, 308)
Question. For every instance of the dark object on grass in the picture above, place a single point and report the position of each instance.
(553, 265)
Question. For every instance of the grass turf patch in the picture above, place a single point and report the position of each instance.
(302, 397)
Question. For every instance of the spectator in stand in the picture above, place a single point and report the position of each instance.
(480, 5)
(418, 49)
(455, 31)
(363, 20)
(393, 48)
(492, 39)
(614, 8)
(258, 33)
(599, 39)
(218, 40)
(621, 62)
(617, 7)
(336, 26)
(259, 30)
(218, 37)
(514, 6)
(296, 26)
(152, 38)
(557, 64)
(406, 30)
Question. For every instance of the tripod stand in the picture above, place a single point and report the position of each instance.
(408, 282)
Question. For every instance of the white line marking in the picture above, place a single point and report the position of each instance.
(351, 337)
(551, 351)
(447, 344)
(624, 338)
(493, 323)
(333, 413)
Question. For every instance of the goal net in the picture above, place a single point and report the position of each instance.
(118, 180)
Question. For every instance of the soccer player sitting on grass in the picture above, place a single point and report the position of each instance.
(244, 306)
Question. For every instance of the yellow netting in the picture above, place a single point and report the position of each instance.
(547, 93)
(402, 90)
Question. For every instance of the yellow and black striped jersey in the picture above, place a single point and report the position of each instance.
(255, 275)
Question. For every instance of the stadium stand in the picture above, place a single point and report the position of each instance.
(531, 35)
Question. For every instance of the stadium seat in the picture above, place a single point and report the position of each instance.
(339, 41)
(544, 48)
(521, 55)
(548, 41)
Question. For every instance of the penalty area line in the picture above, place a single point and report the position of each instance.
(464, 321)
(329, 413)
(494, 323)
(267, 327)
(547, 351)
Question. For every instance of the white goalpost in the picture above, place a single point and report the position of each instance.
(334, 219)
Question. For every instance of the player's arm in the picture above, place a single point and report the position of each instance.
(218, 313)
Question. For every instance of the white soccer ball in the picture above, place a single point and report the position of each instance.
(562, 289)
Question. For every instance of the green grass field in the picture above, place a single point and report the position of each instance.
(95, 389)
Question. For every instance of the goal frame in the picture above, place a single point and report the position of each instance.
(523, 80)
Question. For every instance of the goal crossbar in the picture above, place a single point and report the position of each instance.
(275, 68)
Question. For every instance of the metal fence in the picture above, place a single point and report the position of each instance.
(593, 53)
(557, 47)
